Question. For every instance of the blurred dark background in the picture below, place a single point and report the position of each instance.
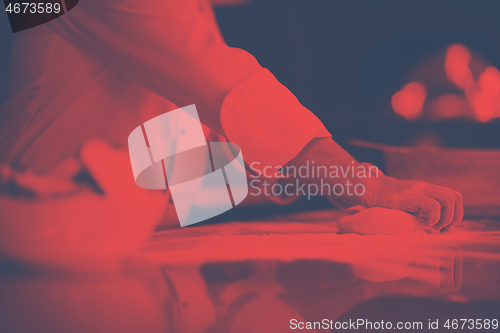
(6, 36)
(344, 59)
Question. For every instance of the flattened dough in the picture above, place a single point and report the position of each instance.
(373, 221)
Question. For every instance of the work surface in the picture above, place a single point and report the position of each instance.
(255, 276)
(323, 274)
(315, 235)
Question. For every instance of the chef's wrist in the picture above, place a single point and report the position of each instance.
(369, 198)
(360, 194)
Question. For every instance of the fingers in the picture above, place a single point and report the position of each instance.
(459, 209)
(447, 202)
(429, 210)
(425, 208)
(438, 208)
(452, 205)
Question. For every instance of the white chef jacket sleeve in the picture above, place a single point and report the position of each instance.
(175, 49)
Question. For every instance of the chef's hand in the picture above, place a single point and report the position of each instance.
(438, 208)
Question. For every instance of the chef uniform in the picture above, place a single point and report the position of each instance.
(106, 66)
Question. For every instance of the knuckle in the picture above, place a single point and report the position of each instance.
(435, 205)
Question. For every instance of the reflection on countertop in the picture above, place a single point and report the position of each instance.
(257, 276)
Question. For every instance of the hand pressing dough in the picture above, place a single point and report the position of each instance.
(373, 221)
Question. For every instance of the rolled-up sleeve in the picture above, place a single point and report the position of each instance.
(267, 121)
(175, 49)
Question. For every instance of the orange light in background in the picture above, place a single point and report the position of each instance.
(483, 106)
(485, 97)
(449, 106)
(409, 101)
(478, 101)
(456, 65)
(489, 82)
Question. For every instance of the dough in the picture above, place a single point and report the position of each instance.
(372, 221)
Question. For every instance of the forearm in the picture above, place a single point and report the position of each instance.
(332, 168)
